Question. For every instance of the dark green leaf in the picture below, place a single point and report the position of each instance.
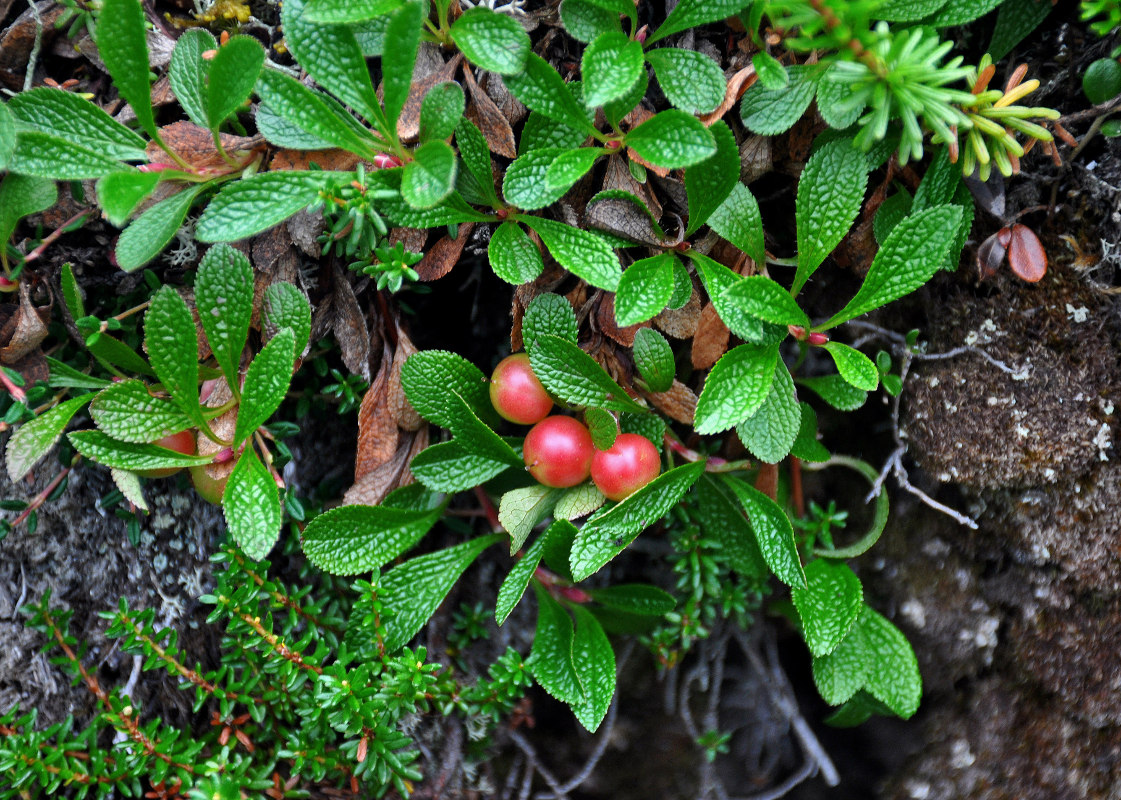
(769, 433)
(842, 672)
(738, 221)
(520, 510)
(429, 376)
(525, 184)
(939, 183)
(441, 111)
(188, 70)
(541, 88)
(723, 519)
(709, 183)
(959, 12)
(450, 467)
(286, 307)
(836, 391)
(109, 452)
(251, 505)
(570, 166)
(1017, 18)
(430, 177)
(105, 348)
(548, 314)
(266, 384)
(602, 426)
(595, 665)
(806, 446)
(20, 196)
(514, 586)
(346, 11)
(654, 359)
(34, 438)
(123, 46)
(172, 345)
(127, 411)
(691, 13)
(474, 434)
(494, 41)
(475, 153)
(637, 598)
(151, 232)
(761, 297)
(692, 81)
(717, 279)
(672, 139)
(44, 155)
(75, 119)
(283, 132)
(550, 659)
(233, 73)
(513, 256)
(893, 676)
(584, 254)
(773, 111)
(71, 291)
(907, 10)
(644, 289)
(224, 298)
(773, 532)
(610, 66)
(119, 193)
(893, 211)
(585, 21)
(829, 605)
(311, 112)
(251, 205)
(576, 377)
(349, 540)
(736, 387)
(541, 133)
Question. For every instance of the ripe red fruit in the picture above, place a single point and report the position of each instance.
(629, 464)
(182, 442)
(558, 452)
(515, 392)
(209, 489)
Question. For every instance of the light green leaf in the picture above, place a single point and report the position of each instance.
(893, 675)
(520, 510)
(585, 21)
(837, 104)
(430, 177)
(20, 196)
(759, 296)
(100, 448)
(64, 376)
(346, 11)
(890, 213)
(579, 501)
(541, 88)
(188, 70)
(854, 366)
(830, 192)
(494, 41)
(609, 532)
(723, 519)
(616, 110)
(127, 411)
(119, 193)
(672, 139)
(514, 586)
(959, 12)
(286, 307)
(129, 485)
(311, 113)
(550, 658)
(654, 359)
(349, 540)
(251, 505)
(224, 298)
(283, 132)
(575, 377)
(233, 73)
(172, 345)
(595, 666)
(541, 133)
(610, 66)
(450, 467)
(513, 257)
(907, 10)
(548, 314)
(636, 598)
(34, 438)
(105, 348)
(602, 426)
(398, 61)
(71, 291)
(151, 232)
(836, 391)
(738, 221)
(525, 184)
(773, 111)
(829, 605)
(769, 433)
(266, 384)
(251, 205)
(736, 387)
(771, 73)
(570, 166)
(44, 155)
(123, 46)
(7, 136)
(441, 111)
(475, 153)
(691, 13)
(430, 375)
(692, 81)
(773, 532)
(584, 254)
(644, 289)
(73, 118)
(709, 183)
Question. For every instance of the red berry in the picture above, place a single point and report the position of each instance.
(629, 464)
(209, 489)
(182, 442)
(558, 452)
(515, 392)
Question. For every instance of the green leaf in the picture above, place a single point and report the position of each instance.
(893, 677)
(63, 376)
(349, 540)
(837, 104)
(736, 387)
(645, 288)
(769, 433)
(570, 166)
(602, 426)
(594, 661)
(907, 10)
(709, 183)
(893, 211)
(224, 298)
(579, 501)
(20, 196)
(251, 505)
(548, 314)
(430, 177)
(311, 113)
(610, 66)
(75, 119)
(266, 384)
(119, 193)
(441, 111)
(283, 132)
(494, 41)
(34, 438)
(773, 111)
(830, 192)
(475, 435)
(428, 377)
(737, 220)
(636, 598)
(856, 711)
(541, 88)
(843, 671)
(7, 136)
(829, 605)
(513, 257)
(188, 71)
(939, 183)
(399, 60)
(450, 467)
(151, 232)
(672, 139)
(525, 184)
(1017, 18)
(654, 359)
(609, 532)
(104, 450)
(616, 110)
(585, 255)
(723, 519)
(286, 307)
(346, 11)
(836, 391)
(475, 153)
(575, 377)
(691, 81)
(415, 589)
(105, 348)
(514, 586)
(172, 345)
(520, 510)
(123, 46)
(550, 658)
(806, 446)
(251, 205)
(959, 12)
(691, 13)
(45, 155)
(771, 73)
(128, 412)
(541, 133)
(761, 297)
(854, 366)
(232, 75)
(914, 251)
(585, 21)
(71, 291)
(773, 532)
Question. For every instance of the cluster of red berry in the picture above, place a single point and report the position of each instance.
(558, 450)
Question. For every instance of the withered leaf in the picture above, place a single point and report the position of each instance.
(737, 85)
(24, 330)
(377, 429)
(349, 326)
(605, 318)
(412, 238)
(17, 41)
(711, 339)
(679, 403)
(376, 484)
(618, 176)
(408, 124)
(195, 145)
(681, 323)
(444, 255)
(332, 159)
(403, 412)
(494, 124)
(223, 427)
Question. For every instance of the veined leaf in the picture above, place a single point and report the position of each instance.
(520, 510)
(806, 446)
(266, 383)
(232, 74)
(494, 41)
(7, 135)
(20, 196)
(769, 433)
(550, 659)
(312, 113)
(672, 139)
(513, 257)
(594, 661)
(737, 220)
(773, 532)
(187, 73)
(128, 412)
(251, 205)
(636, 598)
(692, 81)
(843, 671)
(894, 677)
(854, 366)
(645, 288)
(514, 586)
(172, 344)
(773, 111)
(475, 153)
(723, 519)
(611, 65)
(398, 61)
(585, 21)
(441, 111)
(76, 120)
(524, 184)
(123, 46)
(836, 391)
(349, 540)
(570, 166)
(576, 377)
(337, 12)
(451, 467)
(34, 438)
(709, 182)
(548, 314)
(286, 307)
(736, 387)
(541, 88)
(119, 193)
(579, 501)
(103, 449)
(44, 155)
(430, 177)
(224, 298)
(829, 605)
(251, 505)
(151, 232)
(71, 291)
(761, 297)
(691, 13)
(584, 254)
(602, 426)
(654, 359)
(474, 434)
(428, 377)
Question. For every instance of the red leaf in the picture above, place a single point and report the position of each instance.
(1026, 255)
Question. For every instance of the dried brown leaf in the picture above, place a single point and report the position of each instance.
(679, 403)
(494, 124)
(408, 124)
(394, 473)
(605, 319)
(737, 85)
(444, 255)
(332, 159)
(195, 145)
(412, 238)
(349, 325)
(403, 412)
(24, 330)
(18, 40)
(377, 429)
(681, 323)
(711, 339)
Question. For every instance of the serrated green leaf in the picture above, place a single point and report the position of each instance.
(854, 366)
(7, 136)
(513, 257)
(103, 449)
(123, 46)
(672, 139)
(430, 375)
(541, 133)
(843, 672)
(188, 71)
(349, 540)
(691, 81)
(520, 510)
(649, 426)
(609, 532)
(172, 345)
(959, 12)
(34, 438)
(575, 377)
(654, 359)
(441, 111)
(550, 658)
(759, 296)
(128, 412)
(616, 110)
(129, 485)
(723, 519)
(570, 166)
(283, 132)
(251, 205)
(119, 193)
(938, 184)
(548, 314)
(837, 104)
(829, 605)
(709, 183)
(286, 307)
(893, 677)
(773, 532)
(579, 501)
(64, 376)
(474, 434)
(345, 11)
(266, 384)
(585, 21)
(602, 426)
(224, 298)
(830, 192)
(585, 255)
(44, 155)
(914, 251)
(233, 73)
(610, 66)
(907, 10)
(541, 88)
(151, 232)
(311, 113)
(525, 184)
(494, 41)
(836, 391)
(637, 598)
(806, 446)
(450, 467)
(737, 220)
(645, 288)
(399, 61)
(475, 153)
(769, 433)
(771, 73)
(20, 196)
(736, 387)
(595, 665)
(691, 13)
(71, 291)
(75, 119)
(251, 505)
(773, 111)
(105, 348)
(893, 211)
(430, 177)
(856, 711)
(515, 583)
(1016, 19)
